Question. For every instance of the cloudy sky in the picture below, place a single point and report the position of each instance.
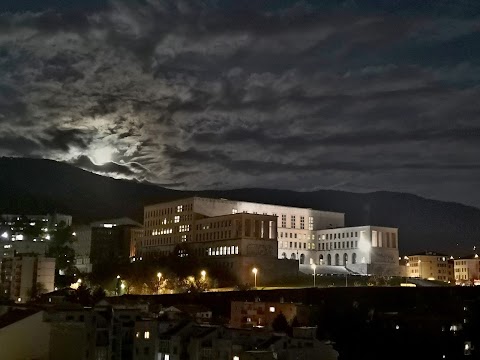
(351, 95)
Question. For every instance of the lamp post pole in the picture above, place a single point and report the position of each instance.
(346, 274)
(314, 267)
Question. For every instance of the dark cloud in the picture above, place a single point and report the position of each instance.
(354, 95)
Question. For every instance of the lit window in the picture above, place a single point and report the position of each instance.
(167, 356)
(234, 211)
(177, 218)
(272, 309)
(310, 223)
(179, 208)
(137, 334)
(146, 335)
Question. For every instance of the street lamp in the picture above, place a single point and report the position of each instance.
(204, 274)
(346, 274)
(314, 267)
(255, 271)
(159, 275)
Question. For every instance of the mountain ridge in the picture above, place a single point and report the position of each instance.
(30, 186)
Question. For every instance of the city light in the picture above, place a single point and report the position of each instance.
(255, 271)
(118, 276)
(204, 274)
(159, 275)
(5, 235)
(79, 281)
(122, 286)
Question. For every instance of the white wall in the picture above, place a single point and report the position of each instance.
(26, 339)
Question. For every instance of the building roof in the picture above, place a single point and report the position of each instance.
(240, 201)
(192, 309)
(15, 315)
(428, 253)
(469, 257)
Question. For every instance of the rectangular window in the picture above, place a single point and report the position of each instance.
(177, 219)
(290, 244)
(234, 211)
(295, 243)
(292, 222)
(295, 235)
(302, 222)
(179, 208)
(146, 335)
(374, 238)
(304, 245)
(284, 221)
(310, 223)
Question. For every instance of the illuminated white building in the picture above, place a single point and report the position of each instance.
(360, 249)
(303, 234)
(172, 223)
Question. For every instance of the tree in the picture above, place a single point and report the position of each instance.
(280, 323)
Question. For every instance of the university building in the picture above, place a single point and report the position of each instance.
(238, 233)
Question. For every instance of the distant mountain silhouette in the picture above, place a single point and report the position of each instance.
(29, 186)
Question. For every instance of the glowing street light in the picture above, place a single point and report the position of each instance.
(118, 276)
(5, 235)
(314, 267)
(122, 286)
(159, 275)
(79, 281)
(204, 274)
(255, 271)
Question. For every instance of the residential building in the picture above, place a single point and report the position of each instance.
(48, 334)
(198, 313)
(104, 242)
(28, 234)
(24, 276)
(430, 265)
(360, 249)
(247, 314)
(467, 270)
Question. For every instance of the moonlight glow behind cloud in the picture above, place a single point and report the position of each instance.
(362, 96)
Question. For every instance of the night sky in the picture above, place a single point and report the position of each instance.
(350, 95)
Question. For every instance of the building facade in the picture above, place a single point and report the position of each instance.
(237, 242)
(430, 265)
(295, 227)
(361, 249)
(24, 276)
(104, 242)
(307, 235)
(467, 270)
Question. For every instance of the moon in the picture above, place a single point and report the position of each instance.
(102, 156)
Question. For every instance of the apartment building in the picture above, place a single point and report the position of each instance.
(104, 242)
(467, 270)
(430, 265)
(247, 314)
(24, 276)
